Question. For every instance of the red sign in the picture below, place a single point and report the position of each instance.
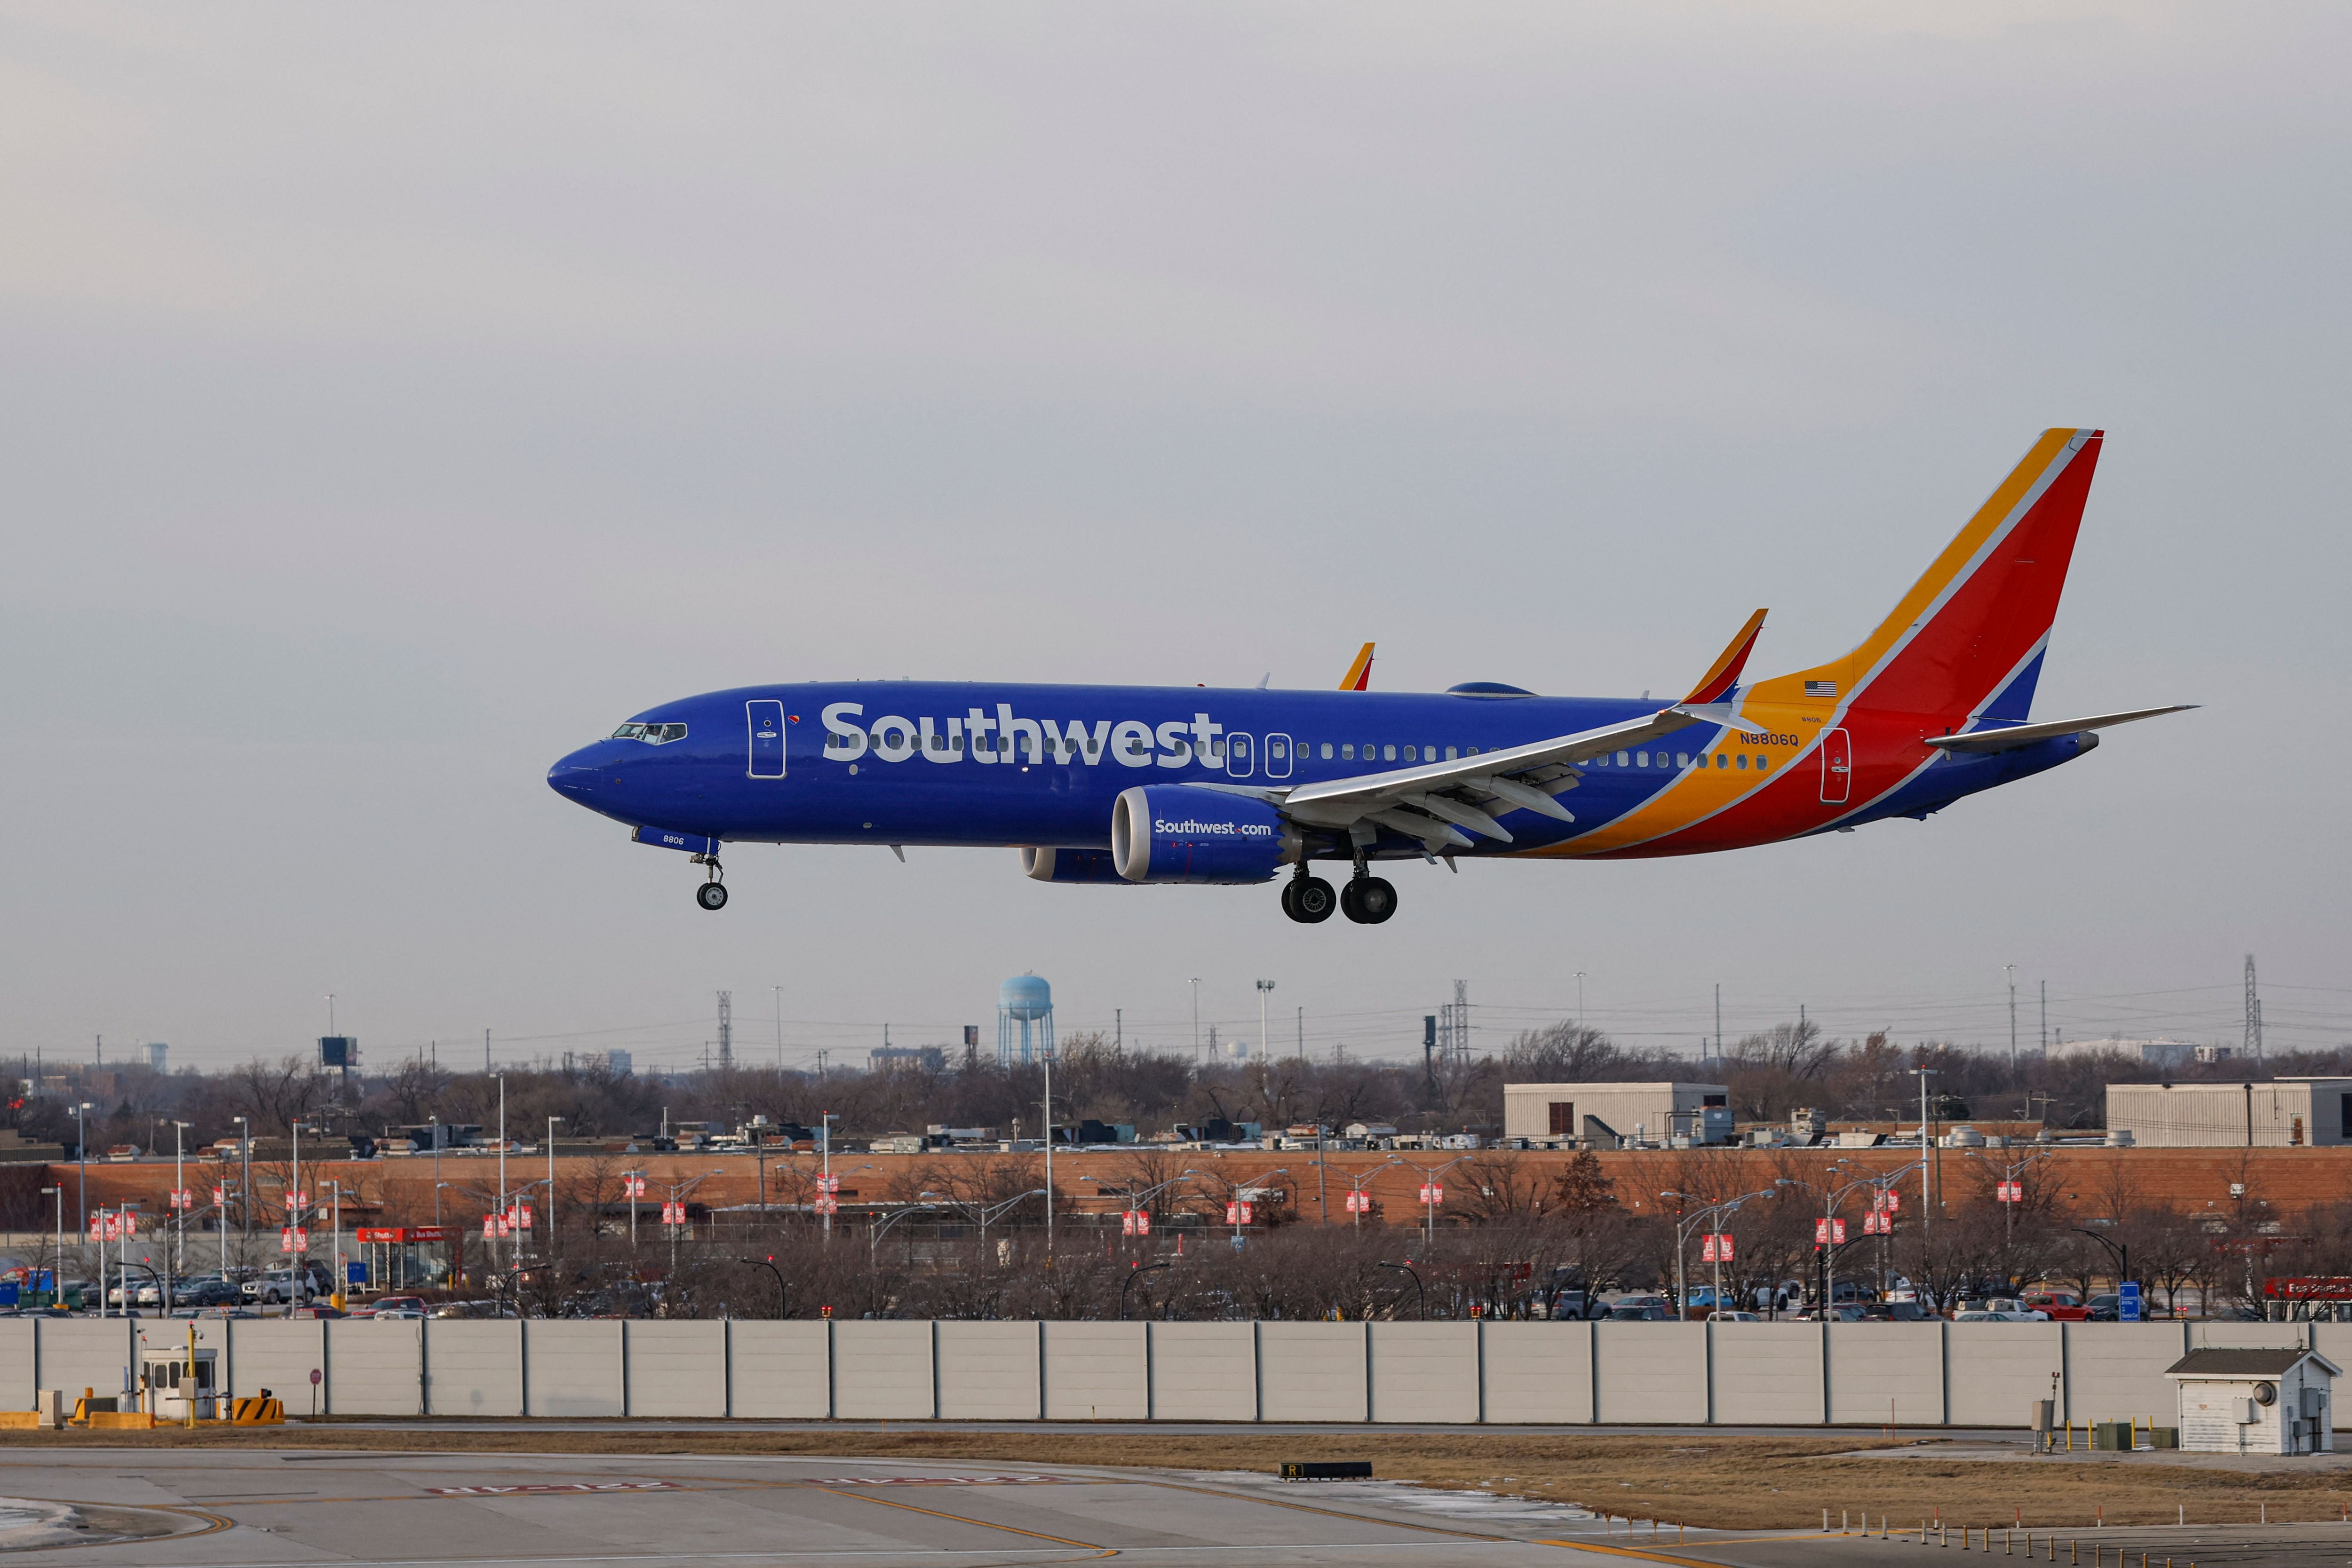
(422, 1233)
(1134, 1222)
(2009, 1192)
(827, 1206)
(1893, 1201)
(1877, 1225)
(828, 1184)
(519, 1216)
(1359, 1203)
(673, 1214)
(1715, 1249)
(1237, 1213)
(2308, 1288)
(181, 1198)
(298, 1201)
(220, 1197)
(368, 1234)
(1432, 1193)
(293, 1238)
(1829, 1232)
(632, 1186)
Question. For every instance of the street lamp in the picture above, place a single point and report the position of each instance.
(179, 1202)
(1134, 1197)
(2009, 1174)
(1264, 989)
(873, 1232)
(1233, 1204)
(1131, 1274)
(1429, 1175)
(245, 1192)
(1418, 1289)
(987, 1212)
(58, 1273)
(81, 1163)
(769, 1265)
(1682, 1238)
(551, 1184)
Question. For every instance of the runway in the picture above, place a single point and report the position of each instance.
(277, 1508)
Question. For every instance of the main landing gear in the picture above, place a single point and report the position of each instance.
(712, 893)
(1366, 900)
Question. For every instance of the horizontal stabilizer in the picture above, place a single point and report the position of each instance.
(2010, 737)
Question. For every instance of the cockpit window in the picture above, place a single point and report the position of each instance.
(651, 733)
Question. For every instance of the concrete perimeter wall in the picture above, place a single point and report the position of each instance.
(1499, 1374)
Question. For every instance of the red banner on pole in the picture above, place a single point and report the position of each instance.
(1715, 1248)
(1829, 1232)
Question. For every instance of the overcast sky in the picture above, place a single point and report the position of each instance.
(395, 400)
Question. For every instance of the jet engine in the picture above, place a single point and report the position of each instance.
(1070, 865)
(1173, 832)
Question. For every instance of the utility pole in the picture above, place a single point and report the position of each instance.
(1719, 1021)
(1118, 1029)
(1302, 1034)
(726, 1031)
(486, 1050)
(779, 1027)
(1196, 1018)
(1580, 1001)
(2045, 1018)
(2010, 970)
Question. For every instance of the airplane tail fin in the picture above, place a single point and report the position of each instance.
(1358, 677)
(1719, 681)
(1967, 641)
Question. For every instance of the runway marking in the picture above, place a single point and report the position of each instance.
(535, 1487)
(935, 1481)
(1331, 1512)
(960, 1519)
(1634, 1551)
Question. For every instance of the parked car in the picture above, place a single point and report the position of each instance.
(1893, 1312)
(1643, 1313)
(1728, 1317)
(208, 1293)
(2064, 1306)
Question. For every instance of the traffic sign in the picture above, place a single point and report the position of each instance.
(2128, 1303)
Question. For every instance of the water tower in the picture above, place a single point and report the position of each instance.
(1025, 1020)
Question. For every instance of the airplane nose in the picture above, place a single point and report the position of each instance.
(573, 777)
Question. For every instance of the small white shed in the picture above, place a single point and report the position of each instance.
(2255, 1401)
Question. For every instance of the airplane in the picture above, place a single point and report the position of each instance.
(1134, 785)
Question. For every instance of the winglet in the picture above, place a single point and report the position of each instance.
(1358, 677)
(1719, 682)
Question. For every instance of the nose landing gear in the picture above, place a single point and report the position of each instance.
(712, 893)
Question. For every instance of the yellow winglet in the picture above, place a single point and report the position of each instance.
(1358, 677)
(1724, 675)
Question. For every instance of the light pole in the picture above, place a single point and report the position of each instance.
(1832, 1199)
(824, 1185)
(1927, 1169)
(58, 1273)
(1235, 1202)
(551, 1184)
(1264, 989)
(1133, 1198)
(180, 1196)
(1429, 1175)
(986, 1212)
(769, 1265)
(2009, 1174)
(1420, 1290)
(81, 1169)
(1048, 1055)
(245, 1192)
(873, 1232)
(1131, 1273)
(495, 1258)
(1196, 1018)
(1580, 1002)
(1681, 1238)
(2010, 970)
(1356, 1185)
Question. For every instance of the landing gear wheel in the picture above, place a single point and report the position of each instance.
(1308, 900)
(711, 895)
(1368, 899)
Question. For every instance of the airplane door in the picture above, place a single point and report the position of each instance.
(1837, 768)
(1278, 748)
(1241, 756)
(766, 720)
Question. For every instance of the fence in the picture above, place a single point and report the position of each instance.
(1912, 1375)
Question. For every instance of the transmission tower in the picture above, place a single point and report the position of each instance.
(726, 1031)
(1454, 1026)
(2253, 1046)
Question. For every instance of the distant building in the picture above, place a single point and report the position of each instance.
(156, 1051)
(619, 1063)
(2282, 1113)
(1611, 1114)
(2161, 1055)
(929, 1058)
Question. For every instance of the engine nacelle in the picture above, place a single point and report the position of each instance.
(1070, 865)
(1173, 833)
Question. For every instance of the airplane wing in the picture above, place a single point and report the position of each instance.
(2010, 737)
(1358, 677)
(1443, 803)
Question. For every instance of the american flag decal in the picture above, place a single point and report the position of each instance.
(1821, 688)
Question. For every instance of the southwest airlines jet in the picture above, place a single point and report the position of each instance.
(1186, 784)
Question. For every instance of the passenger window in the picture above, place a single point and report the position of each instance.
(1408, 754)
(1743, 759)
(1620, 759)
(1276, 748)
(1349, 751)
(1722, 760)
(1762, 763)
(1641, 759)
(1449, 754)
(1472, 752)
(1682, 759)
(1327, 751)
(1388, 753)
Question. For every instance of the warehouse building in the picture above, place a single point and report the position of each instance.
(1615, 1116)
(2283, 1113)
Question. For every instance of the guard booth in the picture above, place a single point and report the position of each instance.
(2255, 1401)
(405, 1258)
(171, 1384)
